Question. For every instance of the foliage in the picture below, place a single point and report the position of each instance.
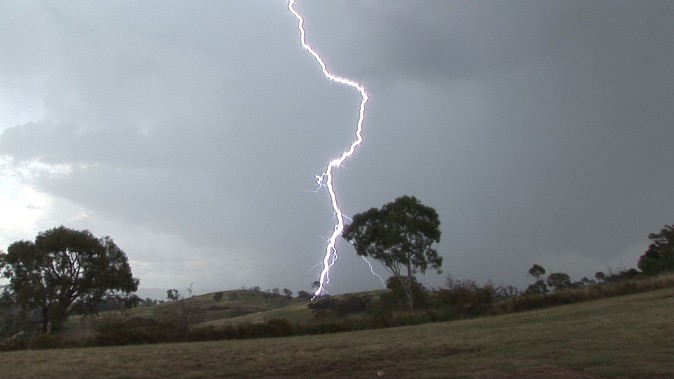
(181, 314)
(64, 268)
(600, 277)
(465, 298)
(173, 295)
(218, 296)
(396, 298)
(559, 281)
(613, 277)
(507, 292)
(10, 315)
(287, 293)
(329, 306)
(304, 295)
(400, 235)
(120, 329)
(616, 287)
(659, 257)
(536, 271)
(322, 306)
(539, 286)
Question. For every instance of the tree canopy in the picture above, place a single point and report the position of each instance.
(65, 269)
(659, 257)
(400, 235)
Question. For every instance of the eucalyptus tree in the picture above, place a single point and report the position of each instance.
(400, 235)
(65, 270)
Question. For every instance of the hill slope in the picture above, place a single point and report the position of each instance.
(622, 337)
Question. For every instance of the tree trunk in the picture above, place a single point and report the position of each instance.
(409, 285)
(45, 319)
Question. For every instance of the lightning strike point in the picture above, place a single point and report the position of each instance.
(326, 179)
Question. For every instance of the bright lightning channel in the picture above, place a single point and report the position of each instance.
(372, 271)
(326, 179)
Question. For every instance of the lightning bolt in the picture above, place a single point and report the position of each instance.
(374, 273)
(326, 179)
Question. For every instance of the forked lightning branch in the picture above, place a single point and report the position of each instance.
(326, 178)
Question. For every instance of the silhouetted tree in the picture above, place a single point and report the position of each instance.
(659, 257)
(559, 281)
(63, 268)
(303, 295)
(10, 315)
(400, 235)
(539, 286)
(585, 282)
(600, 277)
(536, 271)
(173, 295)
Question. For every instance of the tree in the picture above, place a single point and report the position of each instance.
(218, 296)
(400, 235)
(585, 282)
(559, 281)
(62, 269)
(10, 315)
(173, 295)
(536, 271)
(396, 298)
(600, 277)
(659, 257)
(538, 287)
(304, 295)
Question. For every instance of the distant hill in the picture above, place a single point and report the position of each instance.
(233, 303)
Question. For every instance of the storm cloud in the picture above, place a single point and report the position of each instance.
(191, 132)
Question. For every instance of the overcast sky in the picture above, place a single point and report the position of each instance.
(191, 132)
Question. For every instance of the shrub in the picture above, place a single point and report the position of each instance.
(119, 329)
(465, 298)
(278, 327)
(396, 298)
(322, 307)
(304, 295)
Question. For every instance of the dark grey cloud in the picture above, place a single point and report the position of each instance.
(544, 123)
(540, 131)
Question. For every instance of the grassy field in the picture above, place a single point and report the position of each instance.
(622, 337)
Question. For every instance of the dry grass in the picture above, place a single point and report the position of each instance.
(622, 337)
(235, 304)
(296, 312)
